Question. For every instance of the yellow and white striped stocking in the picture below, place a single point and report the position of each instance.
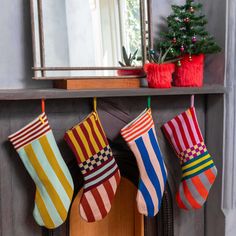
(41, 157)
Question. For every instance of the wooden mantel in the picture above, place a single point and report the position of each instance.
(29, 94)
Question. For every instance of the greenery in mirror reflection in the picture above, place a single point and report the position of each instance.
(133, 24)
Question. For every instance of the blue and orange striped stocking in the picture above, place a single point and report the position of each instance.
(198, 169)
(41, 157)
(141, 137)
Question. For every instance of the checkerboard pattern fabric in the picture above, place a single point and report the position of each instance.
(96, 160)
(192, 152)
(140, 136)
(100, 171)
(41, 157)
(198, 169)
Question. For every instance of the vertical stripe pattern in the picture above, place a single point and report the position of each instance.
(41, 157)
(185, 137)
(141, 137)
(100, 171)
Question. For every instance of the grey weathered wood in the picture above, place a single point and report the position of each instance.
(215, 218)
(29, 94)
(16, 188)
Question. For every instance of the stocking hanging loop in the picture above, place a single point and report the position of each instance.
(43, 109)
(192, 101)
(43, 105)
(149, 102)
(95, 104)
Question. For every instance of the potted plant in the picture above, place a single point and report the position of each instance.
(129, 61)
(159, 72)
(189, 39)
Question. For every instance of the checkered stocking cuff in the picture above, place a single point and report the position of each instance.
(95, 161)
(198, 169)
(100, 171)
(192, 152)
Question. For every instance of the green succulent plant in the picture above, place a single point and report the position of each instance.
(160, 57)
(128, 60)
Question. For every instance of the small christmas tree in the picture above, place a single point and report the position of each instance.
(186, 32)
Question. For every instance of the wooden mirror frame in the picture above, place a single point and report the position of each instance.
(40, 71)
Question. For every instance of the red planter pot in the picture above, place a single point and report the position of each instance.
(190, 73)
(159, 75)
(134, 72)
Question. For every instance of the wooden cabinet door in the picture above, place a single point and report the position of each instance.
(123, 218)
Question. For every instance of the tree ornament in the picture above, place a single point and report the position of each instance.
(182, 48)
(191, 9)
(186, 20)
(194, 39)
(190, 58)
(152, 52)
(179, 63)
(174, 40)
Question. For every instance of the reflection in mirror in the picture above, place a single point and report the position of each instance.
(89, 33)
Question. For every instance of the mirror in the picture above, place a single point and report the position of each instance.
(77, 38)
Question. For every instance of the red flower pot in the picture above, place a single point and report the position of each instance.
(159, 75)
(134, 72)
(190, 73)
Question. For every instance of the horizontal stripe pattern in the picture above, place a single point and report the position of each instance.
(197, 166)
(42, 159)
(141, 137)
(139, 126)
(30, 132)
(97, 165)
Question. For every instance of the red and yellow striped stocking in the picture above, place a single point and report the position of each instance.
(198, 169)
(100, 171)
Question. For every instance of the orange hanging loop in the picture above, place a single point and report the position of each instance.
(43, 110)
(43, 105)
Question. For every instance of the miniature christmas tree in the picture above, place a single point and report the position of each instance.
(186, 32)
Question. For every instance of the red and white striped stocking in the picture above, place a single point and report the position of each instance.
(198, 169)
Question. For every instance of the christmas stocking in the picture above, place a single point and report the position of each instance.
(141, 137)
(41, 157)
(198, 169)
(100, 171)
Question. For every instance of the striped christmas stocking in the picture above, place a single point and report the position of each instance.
(141, 137)
(198, 169)
(100, 171)
(41, 157)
